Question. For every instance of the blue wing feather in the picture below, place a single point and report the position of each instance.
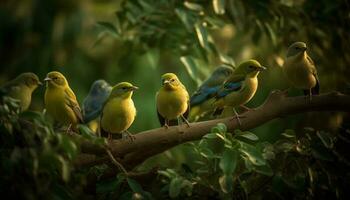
(93, 104)
(228, 88)
(203, 94)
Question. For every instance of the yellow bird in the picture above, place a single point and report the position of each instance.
(301, 70)
(21, 88)
(119, 111)
(60, 100)
(172, 101)
(240, 87)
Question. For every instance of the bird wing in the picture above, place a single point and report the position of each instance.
(202, 94)
(312, 65)
(92, 107)
(71, 101)
(235, 83)
(187, 111)
(316, 89)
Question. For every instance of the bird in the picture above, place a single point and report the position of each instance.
(240, 87)
(202, 99)
(21, 88)
(60, 101)
(93, 102)
(300, 69)
(118, 112)
(172, 101)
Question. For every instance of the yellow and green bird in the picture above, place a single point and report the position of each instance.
(118, 112)
(300, 69)
(21, 88)
(172, 101)
(60, 100)
(240, 87)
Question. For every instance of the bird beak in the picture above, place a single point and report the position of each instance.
(262, 68)
(133, 88)
(47, 79)
(166, 82)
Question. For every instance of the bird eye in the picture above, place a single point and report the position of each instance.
(172, 80)
(251, 67)
(124, 88)
(297, 48)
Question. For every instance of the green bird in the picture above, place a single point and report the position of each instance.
(300, 69)
(118, 112)
(240, 87)
(172, 101)
(60, 100)
(21, 88)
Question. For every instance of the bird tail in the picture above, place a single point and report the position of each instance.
(194, 113)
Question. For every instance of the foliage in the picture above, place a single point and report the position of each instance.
(238, 166)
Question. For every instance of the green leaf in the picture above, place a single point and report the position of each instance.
(207, 153)
(252, 154)
(284, 146)
(227, 60)
(134, 185)
(289, 133)
(264, 169)
(271, 34)
(202, 36)
(219, 6)
(191, 67)
(187, 187)
(185, 18)
(175, 187)
(65, 170)
(228, 161)
(109, 27)
(226, 183)
(219, 128)
(325, 138)
(146, 6)
(210, 136)
(249, 135)
(69, 147)
(193, 6)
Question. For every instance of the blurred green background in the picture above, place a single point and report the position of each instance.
(138, 40)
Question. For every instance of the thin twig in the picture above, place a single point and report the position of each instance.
(115, 162)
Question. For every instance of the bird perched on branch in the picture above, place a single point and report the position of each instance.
(301, 70)
(202, 99)
(240, 87)
(172, 101)
(60, 100)
(119, 111)
(21, 88)
(93, 102)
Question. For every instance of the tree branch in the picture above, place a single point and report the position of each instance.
(152, 142)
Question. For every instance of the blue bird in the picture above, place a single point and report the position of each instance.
(93, 102)
(202, 99)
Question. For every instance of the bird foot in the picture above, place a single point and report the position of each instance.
(130, 136)
(245, 108)
(69, 130)
(110, 137)
(237, 117)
